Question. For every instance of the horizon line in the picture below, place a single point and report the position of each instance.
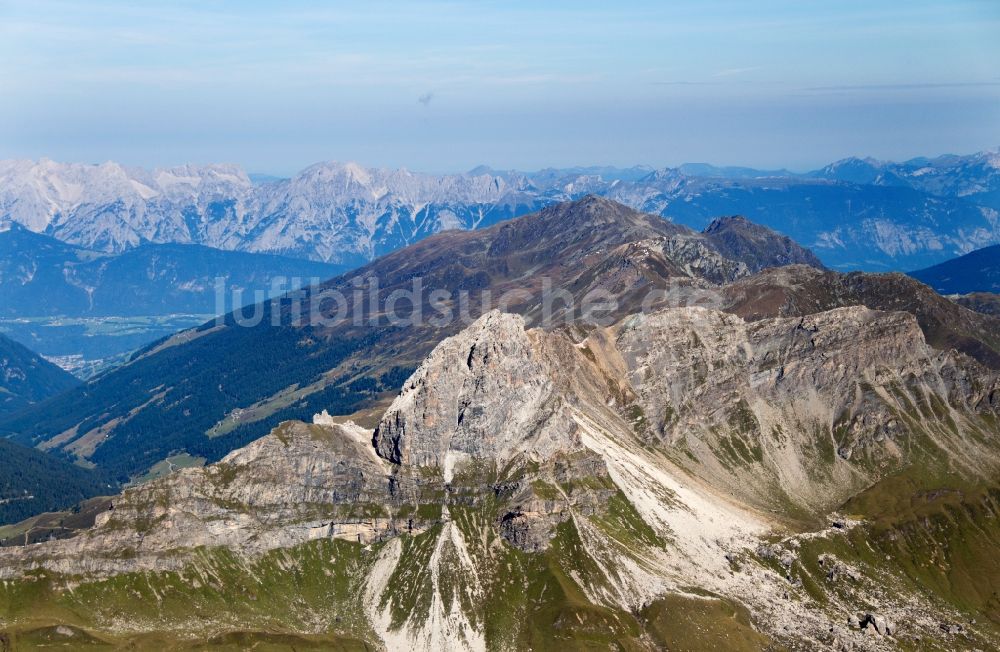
(498, 170)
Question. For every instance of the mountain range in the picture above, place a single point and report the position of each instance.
(855, 214)
(87, 310)
(738, 448)
(950, 175)
(760, 460)
(209, 390)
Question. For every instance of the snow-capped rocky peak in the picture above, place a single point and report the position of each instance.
(336, 174)
(992, 158)
(193, 180)
(345, 212)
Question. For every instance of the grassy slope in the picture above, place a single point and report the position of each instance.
(944, 537)
(287, 599)
(306, 598)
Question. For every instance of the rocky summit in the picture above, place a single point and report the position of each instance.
(682, 478)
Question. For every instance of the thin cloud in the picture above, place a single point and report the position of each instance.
(735, 71)
(685, 83)
(720, 82)
(903, 87)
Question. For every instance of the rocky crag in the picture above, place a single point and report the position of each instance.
(681, 479)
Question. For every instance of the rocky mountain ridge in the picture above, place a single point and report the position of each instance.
(964, 176)
(530, 483)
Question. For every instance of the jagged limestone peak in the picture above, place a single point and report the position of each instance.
(488, 374)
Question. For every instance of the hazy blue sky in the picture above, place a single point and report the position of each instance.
(443, 86)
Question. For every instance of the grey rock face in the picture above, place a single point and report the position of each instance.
(878, 623)
(796, 393)
(299, 483)
(702, 260)
(804, 406)
(483, 393)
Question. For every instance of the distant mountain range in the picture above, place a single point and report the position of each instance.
(856, 213)
(87, 309)
(42, 276)
(974, 177)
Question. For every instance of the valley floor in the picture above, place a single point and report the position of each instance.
(86, 346)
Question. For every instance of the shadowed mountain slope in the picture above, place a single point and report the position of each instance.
(32, 482)
(41, 276)
(737, 238)
(977, 271)
(26, 378)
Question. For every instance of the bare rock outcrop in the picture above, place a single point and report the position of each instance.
(485, 393)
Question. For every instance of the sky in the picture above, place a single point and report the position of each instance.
(446, 86)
